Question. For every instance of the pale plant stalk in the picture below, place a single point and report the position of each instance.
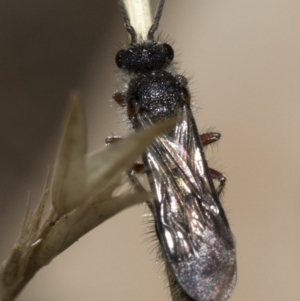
(139, 12)
(83, 195)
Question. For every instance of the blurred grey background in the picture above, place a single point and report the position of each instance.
(243, 57)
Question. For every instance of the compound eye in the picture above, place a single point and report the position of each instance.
(169, 51)
(120, 58)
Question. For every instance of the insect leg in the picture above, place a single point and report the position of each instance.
(206, 139)
(209, 138)
(120, 99)
(218, 176)
(112, 139)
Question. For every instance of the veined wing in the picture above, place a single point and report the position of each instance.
(190, 221)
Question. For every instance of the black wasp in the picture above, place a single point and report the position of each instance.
(190, 223)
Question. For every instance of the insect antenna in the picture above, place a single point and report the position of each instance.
(127, 23)
(158, 13)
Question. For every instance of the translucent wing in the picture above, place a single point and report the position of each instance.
(190, 221)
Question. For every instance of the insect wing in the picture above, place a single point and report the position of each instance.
(190, 221)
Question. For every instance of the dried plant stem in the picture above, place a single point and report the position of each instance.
(24, 265)
(75, 209)
(57, 235)
(139, 12)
